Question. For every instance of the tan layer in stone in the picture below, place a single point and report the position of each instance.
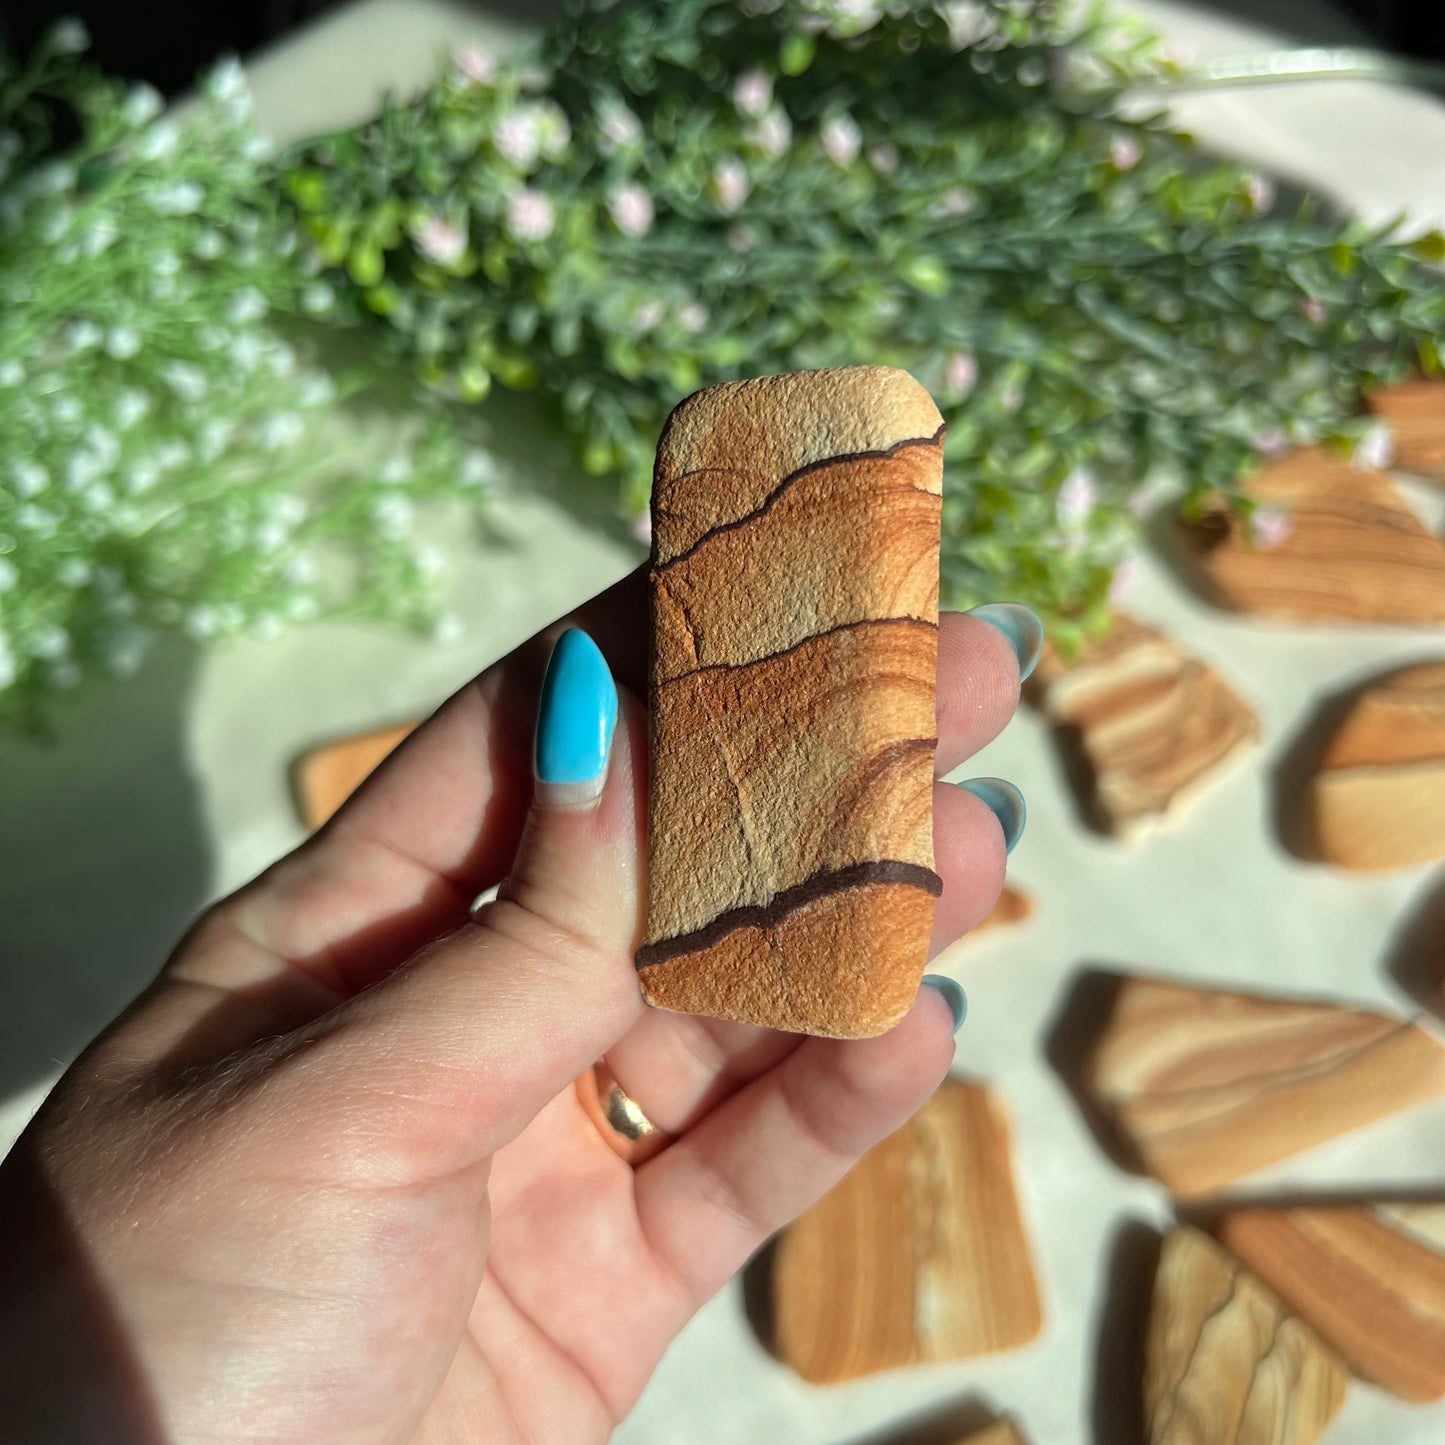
(1001, 1432)
(1225, 1362)
(1415, 411)
(843, 965)
(766, 775)
(918, 1255)
(1207, 1086)
(1377, 799)
(1372, 1286)
(1156, 726)
(1355, 551)
(748, 436)
(853, 539)
(327, 776)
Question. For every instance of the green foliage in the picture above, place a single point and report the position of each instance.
(669, 193)
(166, 460)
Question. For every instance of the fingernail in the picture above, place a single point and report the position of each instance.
(953, 995)
(576, 718)
(1021, 626)
(1007, 804)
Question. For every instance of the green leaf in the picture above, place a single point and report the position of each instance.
(797, 53)
(926, 274)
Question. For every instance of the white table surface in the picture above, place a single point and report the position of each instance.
(171, 788)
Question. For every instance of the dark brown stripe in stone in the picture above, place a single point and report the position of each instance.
(766, 504)
(784, 651)
(762, 915)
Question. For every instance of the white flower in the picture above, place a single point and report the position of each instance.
(97, 497)
(1123, 582)
(730, 184)
(1314, 310)
(281, 429)
(83, 336)
(631, 210)
(448, 629)
(429, 561)
(529, 215)
(753, 92)
(9, 574)
(647, 315)
(53, 178)
(1375, 449)
(846, 18)
(184, 378)
(441, 241)
(960, 372)
(1269, 527)
(165, 263)
(210, 245)
(618, 125)
(67, 37)
(841, 139)
(883, 158)
(50, 642)
(396, 470)
(81, 469)
(478, 469)
(393, 515)
(302, 569)
(158, 141)
(122, 342)
(1125, 152)
(1011, 398)
(66, 410)
(641, 528)
(1076, 498)
(318, 297)
(103, 445)
(172, 454)
(215, 437)
(201, 622)
(518, 137)
(773, 134)
(1260, 190)
(282, 358)
(9, 670)
(247, 306)
(302, 607)
(180, 198)
(12, 373)
(553, 129)
(270, 536)
(316, 389)
(268, 627)
(246, 351)
(141, 475)
(956, 203)
(100, 236)
(227, 85)
(28, 478)
(1271, 443)
(143, 103)
(36, 520)
(739, 239)
(476, 64)
(73, 572)
(287, 508)
(692, 317)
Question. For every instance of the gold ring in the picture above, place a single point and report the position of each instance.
(616, 1116)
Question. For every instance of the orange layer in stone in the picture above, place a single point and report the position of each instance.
(1354, 550)
(794, 652)
(1377, 799)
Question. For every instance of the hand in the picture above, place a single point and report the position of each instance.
(328, 1179)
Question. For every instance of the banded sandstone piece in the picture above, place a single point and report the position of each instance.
(1206, 1086)
(1225, 1362)
(327, 776)
(1355, 551)
(1369, 1280)
(794, 585)
(1156, 726)
(918, 1255)
(1415, 411)
(1377, 798)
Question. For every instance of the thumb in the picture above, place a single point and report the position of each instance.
(493, 1022)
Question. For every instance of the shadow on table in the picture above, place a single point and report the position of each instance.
(942, 1425)
(1415, 955)
(103, 862)
(1116, 1413)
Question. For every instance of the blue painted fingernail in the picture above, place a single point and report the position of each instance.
(576, 718)
(1021, 626)
(953, 995)
(1007, 804)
